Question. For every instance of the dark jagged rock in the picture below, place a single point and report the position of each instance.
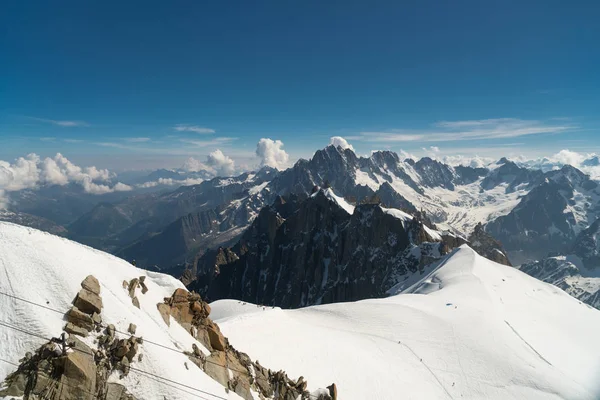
(435, 174)
(319, 254)
(485, 245)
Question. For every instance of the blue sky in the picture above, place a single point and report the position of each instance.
(145, 84)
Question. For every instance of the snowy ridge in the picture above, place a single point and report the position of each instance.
(471, 329)
(349, 208)
(48, 270)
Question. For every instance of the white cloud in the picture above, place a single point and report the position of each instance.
(500, 128)
(63, 123)
(474, 161)
(31, 172)
(339, 141)
(218, 141)
(137, 139)
(406, 155)
(223, 165)
(570, 157)
(172, 182)
(271, 153)
(193, 128)
(431, 151)
(194, 165)
(23, 174)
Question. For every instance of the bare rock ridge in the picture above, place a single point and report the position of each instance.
(221, 361)
(66, 368)
(488, 247)
(301, 252)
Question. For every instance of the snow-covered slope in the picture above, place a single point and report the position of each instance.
(48, 270)
(472, 329)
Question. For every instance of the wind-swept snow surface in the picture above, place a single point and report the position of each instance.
(471, 329)
(48, 270)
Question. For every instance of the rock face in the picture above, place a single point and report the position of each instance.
(302, 252)
(233, 369)
(485, 245)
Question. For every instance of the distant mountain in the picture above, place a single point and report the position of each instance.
(159, 228)
(33, 221)
(551, 215)
(577, 272)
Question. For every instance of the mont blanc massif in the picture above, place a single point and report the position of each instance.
(341, 277)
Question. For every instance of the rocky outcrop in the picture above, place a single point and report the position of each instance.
(221, 361)
(68, 369)
(485, 245)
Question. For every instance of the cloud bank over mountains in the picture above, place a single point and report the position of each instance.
(31, 171)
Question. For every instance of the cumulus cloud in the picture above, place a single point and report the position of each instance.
(339, 141)
(194, 165)
(216, 164)
(31, 172)
(271, 153)
(223, 165)
(431, 151)
(570, 157)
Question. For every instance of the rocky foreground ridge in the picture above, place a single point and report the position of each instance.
(89, 358)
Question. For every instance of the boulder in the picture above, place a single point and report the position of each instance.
(165, 312)
(135, 302)
(115, 391)
(110, 331)
(132, 328)
(122, 348)
(133, 284)
(216, 367)
(180, 295)
(332, 391)
(97, 318)
(217, 341)
(79, 377)
(88, 302)
(75, 330)
(133, 349)
(91, 283)
(197, 308)
(80, 319)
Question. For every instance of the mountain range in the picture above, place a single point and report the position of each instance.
(526, 213)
